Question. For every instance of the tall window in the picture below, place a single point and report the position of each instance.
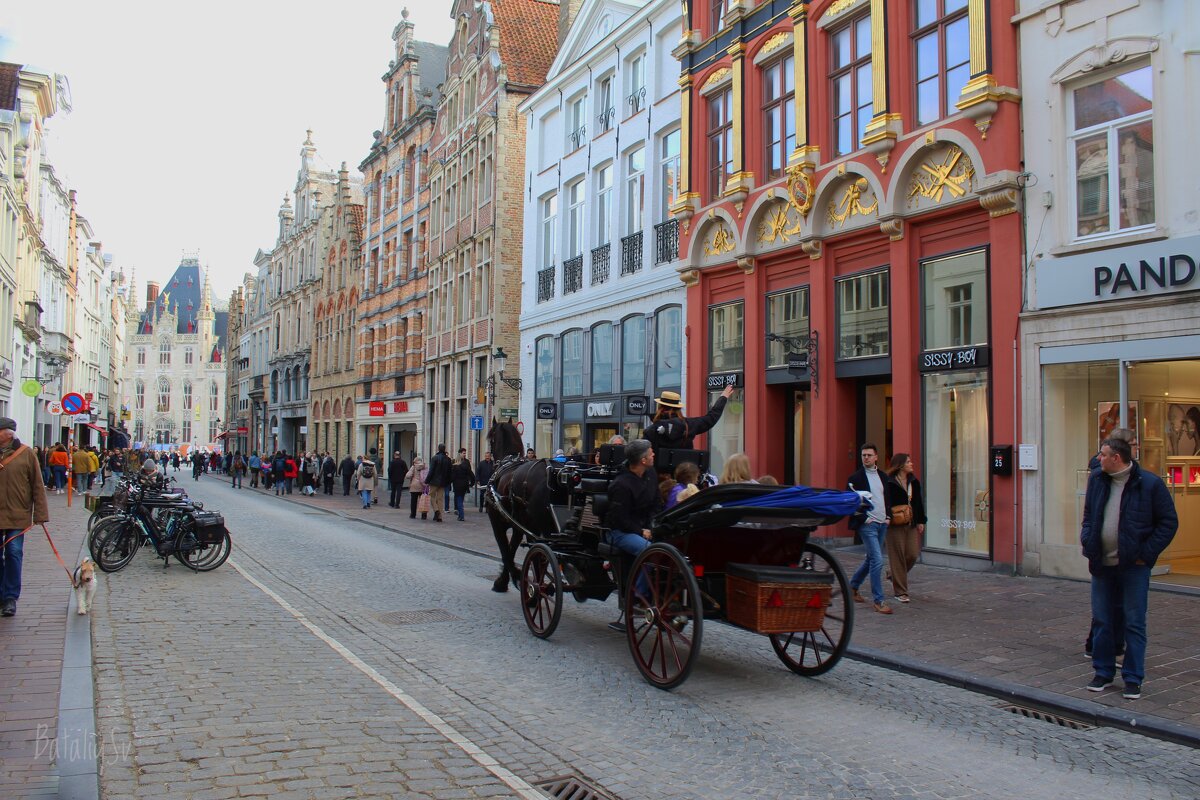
(164, 353)
(607, 107)
(716, 10)
(720, 141)
(635, 189)
(1113, 139)
(141, 356)
(942, 45)
(139, 395)
(633, 354)
(487, 153)
(575, 219)
(185, 434)
(188, 355)
(483, 277)
(164, 395)
(213, 397)
(577, 122)
(544, 367)
(669, 173)
(604, 178)
(668, 347)
(726, 344)
(787, 316)
(637, 82)
(954, 292)
(572, 363)
(602, 358)
(863, 304)
(779, 114)
(549, 238)
(850, 79)
(187, 397)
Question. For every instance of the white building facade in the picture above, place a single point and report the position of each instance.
(1110, 333)
(601, 325)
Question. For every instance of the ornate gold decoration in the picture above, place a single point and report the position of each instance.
(774, 43)
(721, 241)
(716, 77)
(774, 225)
(851, 204)
(837, 8)
(933, 179)
(800, 190)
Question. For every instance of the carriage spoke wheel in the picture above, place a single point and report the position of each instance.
(815, 652)
(541, 591)
(664, 615)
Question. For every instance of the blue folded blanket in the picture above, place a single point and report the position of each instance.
(819, 501)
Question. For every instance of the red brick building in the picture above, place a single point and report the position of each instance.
(851, 249)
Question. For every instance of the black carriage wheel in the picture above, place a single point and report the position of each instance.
(665, 623)
(814, 653)
(541, 591)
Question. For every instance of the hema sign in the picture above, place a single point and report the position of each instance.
(1145, 269)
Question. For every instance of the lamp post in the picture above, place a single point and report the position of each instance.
(499, 362)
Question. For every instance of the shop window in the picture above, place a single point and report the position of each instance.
(787, 318)
(720, 141)
(851, 94)
(544, 367)
(602, 358)
(668, 344)
(728, 436)
(863, 316)
(572, 363)
(956, 470)
(1113, 161)
(633, 354)
(941, 44)
(779, 114)
(955, 297)
(726, 342)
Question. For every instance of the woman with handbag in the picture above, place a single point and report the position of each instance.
(417, 490)
(906, 522)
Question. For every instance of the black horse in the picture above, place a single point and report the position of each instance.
(517, 499)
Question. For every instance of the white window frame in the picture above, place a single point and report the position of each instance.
(604, 203)
(549, 229)
(634, 201)
(575, 202)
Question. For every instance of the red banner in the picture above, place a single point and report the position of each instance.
(376, 408)
(400, 407)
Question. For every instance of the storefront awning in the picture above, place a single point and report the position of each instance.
(222, 434)
(97, 428)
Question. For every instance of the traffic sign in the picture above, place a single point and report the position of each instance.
(53, 407)
(476, 423)
(520, 427)
(31, 388)
(72, 402)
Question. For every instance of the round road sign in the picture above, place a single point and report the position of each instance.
(53, 407)
(72, 402)
(520, 427)
(31, 388)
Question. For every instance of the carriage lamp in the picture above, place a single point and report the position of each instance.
(500, 361)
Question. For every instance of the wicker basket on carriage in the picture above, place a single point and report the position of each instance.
(776, 599)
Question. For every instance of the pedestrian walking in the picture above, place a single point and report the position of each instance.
(1128, 520)
(906, 522)
(483, 474)
(278, 468)
(328, 469)
(871, 525)
(22, 503)
(93, 466)
(237, 470)
(347, 469)
(197, 465)
(42, 455)
(437, 480)
(417, 487)
(306, 470)
(366, 479)
(462, 478)
(81, 465)
(254, 464)
(58, 466)
(397, 469)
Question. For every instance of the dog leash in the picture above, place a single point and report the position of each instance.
(70, 575)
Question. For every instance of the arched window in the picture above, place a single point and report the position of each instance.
(187, 397)
(633, 354)
(572, 363)
(544, 367)
(214, 397)
(139, 395)
(275, 386)
(668, 347)
(287, 385)
(164, 353)
(602, 358)
(164, 395)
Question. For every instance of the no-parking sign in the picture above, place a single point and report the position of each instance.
(72, 402)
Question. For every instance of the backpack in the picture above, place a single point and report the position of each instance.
(368, 470)
(238, 464)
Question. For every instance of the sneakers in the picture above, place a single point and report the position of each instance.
(1132, 691)
(8, 607)
(858, 598)
(882, 608)
(903, 598)
(1099, 684)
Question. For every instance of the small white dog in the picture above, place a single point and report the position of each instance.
(85, 584)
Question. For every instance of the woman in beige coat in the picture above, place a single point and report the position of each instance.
(416, 484)
(366, 476)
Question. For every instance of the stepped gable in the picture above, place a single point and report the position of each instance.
(528, 38)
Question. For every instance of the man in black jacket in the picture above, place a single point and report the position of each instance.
(328, 470)
(633, 499)
(347, 469)
(437, 480)
(395, 475)
(483, 474)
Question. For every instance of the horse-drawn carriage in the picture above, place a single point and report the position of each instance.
(739, 553)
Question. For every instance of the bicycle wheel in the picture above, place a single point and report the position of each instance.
(200, 556)
(100, 514)
(117, 542)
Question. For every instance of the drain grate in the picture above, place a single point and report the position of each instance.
(418, 617)
(573, 787)
(1045, 716)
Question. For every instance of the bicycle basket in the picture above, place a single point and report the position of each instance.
(209, 527)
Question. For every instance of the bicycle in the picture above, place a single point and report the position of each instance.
(197, 539)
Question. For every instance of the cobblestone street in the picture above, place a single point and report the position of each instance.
(283, 674)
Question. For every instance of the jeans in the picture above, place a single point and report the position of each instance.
(397, 489)
(60, 477)
(633, 544)
(46, 477)
(872, 534)
(237, 479)
(254, 473)
(458, 504)
(10, 565)
(1127, 588)
(366, 497)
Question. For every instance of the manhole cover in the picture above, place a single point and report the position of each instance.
(573, 787)
(1045, 716)
(418, 617)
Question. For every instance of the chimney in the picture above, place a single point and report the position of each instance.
(151, 295)
(568, 10)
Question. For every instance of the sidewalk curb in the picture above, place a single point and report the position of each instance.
(78, 746)
(1075, 708)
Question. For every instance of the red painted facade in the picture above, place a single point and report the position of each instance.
(904, 195)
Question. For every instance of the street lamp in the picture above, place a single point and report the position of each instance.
(500, 361)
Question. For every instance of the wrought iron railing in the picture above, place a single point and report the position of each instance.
(636, 100)
(545, 278)
(578, 137)
(606, 117)
(573, 275)
(666, 241)
(631, 253)
(600, 264)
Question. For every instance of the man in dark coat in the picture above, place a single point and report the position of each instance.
(22, 503)
(483, 474)
(395, 475)
(437, 480)
(328, 469)
(1128, 520)
(347, 469)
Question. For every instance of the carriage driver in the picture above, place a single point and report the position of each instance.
(633, 499)
(669, 428)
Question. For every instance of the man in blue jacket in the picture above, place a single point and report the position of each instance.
(1128, 520)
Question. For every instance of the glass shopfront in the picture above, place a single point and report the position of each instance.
(955, 385)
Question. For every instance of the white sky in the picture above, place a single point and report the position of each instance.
(188, 117)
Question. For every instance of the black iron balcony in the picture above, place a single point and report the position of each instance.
(577, 137)
(572, 275)
(636, 100)
(631, 253)
(545, 279)
(605, 118)
(666, 241)
(600, 264)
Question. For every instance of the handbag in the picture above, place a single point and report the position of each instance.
(423, 503)
(903, 515)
